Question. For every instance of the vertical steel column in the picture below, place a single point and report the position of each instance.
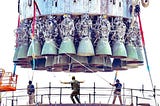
(89, 98)
(123, 93)
(94, 92)
(41, 99)
(36, 92)
(131, 96)
(49, 96)
(60, 95)
(136, 101)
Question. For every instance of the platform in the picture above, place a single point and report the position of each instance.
(74, 105)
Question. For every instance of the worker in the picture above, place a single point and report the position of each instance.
(117, 91)
(75, 85)
(30, 92)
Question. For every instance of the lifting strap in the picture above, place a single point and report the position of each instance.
(35, 7)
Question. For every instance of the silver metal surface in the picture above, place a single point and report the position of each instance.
(60, 7)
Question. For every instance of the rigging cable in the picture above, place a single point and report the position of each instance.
(145, 53)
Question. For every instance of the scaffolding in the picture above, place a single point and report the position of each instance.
(60, 96)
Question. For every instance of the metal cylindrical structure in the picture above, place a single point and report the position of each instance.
(78, 29)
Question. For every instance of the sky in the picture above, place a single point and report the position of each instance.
(133, 78)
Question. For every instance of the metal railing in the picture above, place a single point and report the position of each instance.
(60, 95)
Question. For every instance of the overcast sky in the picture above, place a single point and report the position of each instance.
(132, 78)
